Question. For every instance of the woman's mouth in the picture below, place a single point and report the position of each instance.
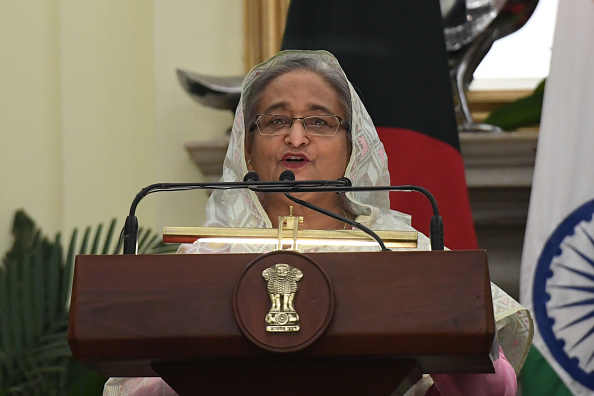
(294, 161)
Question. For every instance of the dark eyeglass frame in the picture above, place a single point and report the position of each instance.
(340, 123)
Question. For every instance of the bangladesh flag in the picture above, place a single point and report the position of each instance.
(394, 54)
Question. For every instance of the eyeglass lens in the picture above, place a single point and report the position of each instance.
(323, 125)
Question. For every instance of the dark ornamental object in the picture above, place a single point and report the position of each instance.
(211, 91)
(470, 28)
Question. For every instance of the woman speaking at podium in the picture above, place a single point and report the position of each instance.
(299, 112)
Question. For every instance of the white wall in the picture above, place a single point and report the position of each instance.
(522, 59)
(91, 112)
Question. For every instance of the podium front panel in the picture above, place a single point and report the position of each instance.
(128, 312)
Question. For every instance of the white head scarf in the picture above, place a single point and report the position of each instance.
(367, 167)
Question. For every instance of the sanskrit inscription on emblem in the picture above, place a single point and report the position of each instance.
(282, 283)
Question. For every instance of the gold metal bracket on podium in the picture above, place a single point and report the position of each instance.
(290, 223)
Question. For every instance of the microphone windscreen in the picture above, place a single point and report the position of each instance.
(347, 182)
(251, 176)
(287, 176)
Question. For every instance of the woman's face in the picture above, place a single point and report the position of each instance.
(299, 94)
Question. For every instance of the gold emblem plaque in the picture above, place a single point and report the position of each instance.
(283, 301)
(282, 283)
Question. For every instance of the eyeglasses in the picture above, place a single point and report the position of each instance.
(319, 125)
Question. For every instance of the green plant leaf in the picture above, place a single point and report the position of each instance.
(81, 381)
(142, 237)
(146, 240)
(96, 239)
(29, 366)
(53, 268)
(30, 268)
(523, 112)
(15, 307)
(109, 237)
(85, 241)
(35, 283)
(6, 322)
(68, 269)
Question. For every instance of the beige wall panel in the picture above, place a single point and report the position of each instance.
(91, 110)
(205, 37)
(30, 139)
(107, 108)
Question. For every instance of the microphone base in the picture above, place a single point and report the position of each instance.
(131, 235)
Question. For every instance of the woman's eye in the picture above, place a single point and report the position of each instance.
(318, 122)
(279, 121)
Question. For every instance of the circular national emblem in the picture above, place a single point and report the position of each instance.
(282, 284)
(563, 294)
(283, 301)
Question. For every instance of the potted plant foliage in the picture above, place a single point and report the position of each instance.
(35, 282)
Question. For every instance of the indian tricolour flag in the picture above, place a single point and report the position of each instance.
(557, 280)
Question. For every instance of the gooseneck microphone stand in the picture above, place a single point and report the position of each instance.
(286, 185)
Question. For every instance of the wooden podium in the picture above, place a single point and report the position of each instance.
(385, 318)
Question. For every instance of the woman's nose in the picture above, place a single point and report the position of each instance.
(297, 135)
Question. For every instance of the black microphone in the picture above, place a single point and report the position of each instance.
(436, 231)
(286, 176)
(130, 235)
(251, 176)
(347, 182)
